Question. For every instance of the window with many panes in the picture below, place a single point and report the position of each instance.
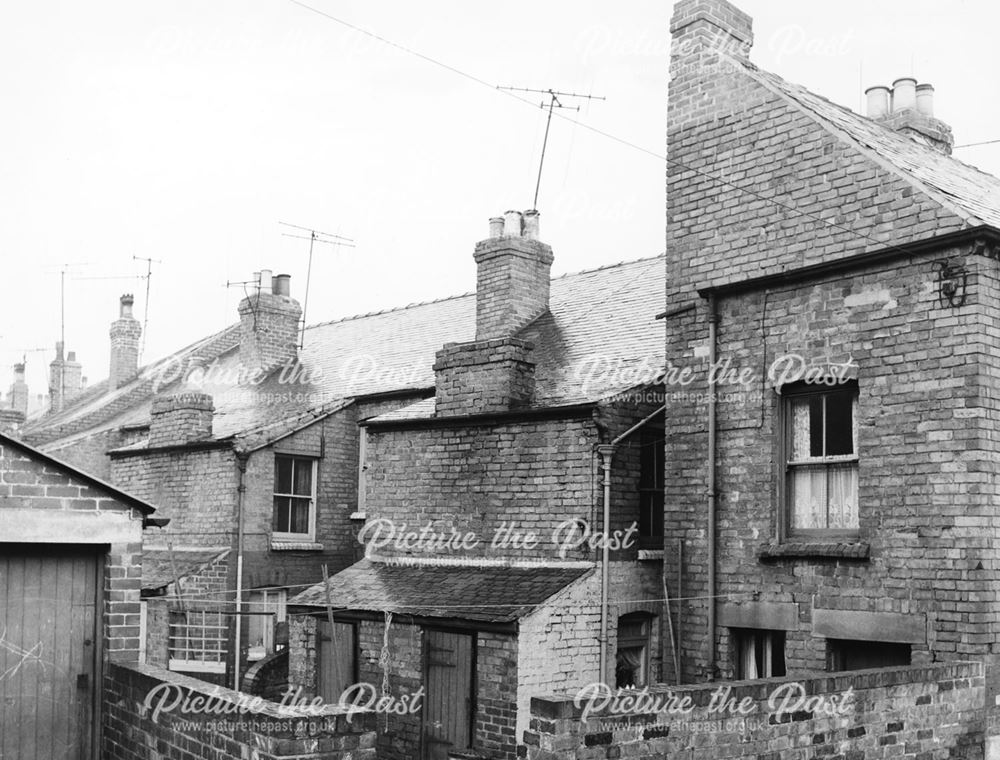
(821, 459)
(651, 461)
(294, 497)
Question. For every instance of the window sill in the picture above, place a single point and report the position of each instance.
(650, 555)
(855, 550)
(284, 545)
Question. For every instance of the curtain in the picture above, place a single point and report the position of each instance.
(631, 666)
(748, 656)
(843, 480)
(809, 496)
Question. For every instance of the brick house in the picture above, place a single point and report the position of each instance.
(548, 417)
(836, 503)
(70, 565)
(248, 441)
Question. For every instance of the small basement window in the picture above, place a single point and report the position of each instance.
(843, 654)
(759, 653)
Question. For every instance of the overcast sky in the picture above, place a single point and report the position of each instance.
(184, 131)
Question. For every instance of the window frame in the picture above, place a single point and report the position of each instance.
(283, 535)
(784, 434)
(261, 601)
(657, 433)
(738, 638)
(643, 619)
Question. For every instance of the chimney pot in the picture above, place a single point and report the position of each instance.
(512, 222)
(266, 280)
(878, 101)
(531, 224)
(282, 285)
(496, 226)
(125, 308)
(925, 99)
(904, 94)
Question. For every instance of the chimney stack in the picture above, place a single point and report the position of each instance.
(512, 276)
(65, 378)
(269, 325)
(11, 421)
(19, 391)
(125, 333)
(495, 372)
(909, 110)
(180, 419)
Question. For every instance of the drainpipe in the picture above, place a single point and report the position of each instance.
(607, 452)
(241, 464)
(713, 322)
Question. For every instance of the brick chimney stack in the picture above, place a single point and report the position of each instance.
(495, 372)
(65, 378)
(180, 419)
(512, 275)
(18, 397)
(125, 333)
(908, 108)
(269, 325)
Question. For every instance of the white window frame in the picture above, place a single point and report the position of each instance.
(790, 464)
(291, 537)
(265, 600)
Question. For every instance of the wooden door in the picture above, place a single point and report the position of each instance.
(337, 662)
(449, 662)
(48, 651)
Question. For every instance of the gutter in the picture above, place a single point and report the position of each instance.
(569, 411)
(981, 237)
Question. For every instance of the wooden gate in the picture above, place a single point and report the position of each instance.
(449, 663)
(48, 651)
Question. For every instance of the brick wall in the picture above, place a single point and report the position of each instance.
(483, 377)
(196, 489)
(532, 474)
(926, 371)
(927, 711)
(132, 732)
(926, 431)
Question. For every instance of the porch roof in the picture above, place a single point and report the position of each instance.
(494, 594)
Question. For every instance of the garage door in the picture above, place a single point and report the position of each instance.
(48, 635)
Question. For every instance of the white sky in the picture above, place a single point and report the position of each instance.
(185, 130)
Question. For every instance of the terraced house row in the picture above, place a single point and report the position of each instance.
(763, 460)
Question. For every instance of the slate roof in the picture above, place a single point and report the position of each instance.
(495, 594)
(972, 194)
(159, 569)
(607, 312)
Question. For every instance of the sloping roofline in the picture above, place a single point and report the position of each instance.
(126, 498)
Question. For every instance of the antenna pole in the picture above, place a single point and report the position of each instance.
(305, 300)
(553, 103)
(315, 236)
(545, 142)
(145, 315)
